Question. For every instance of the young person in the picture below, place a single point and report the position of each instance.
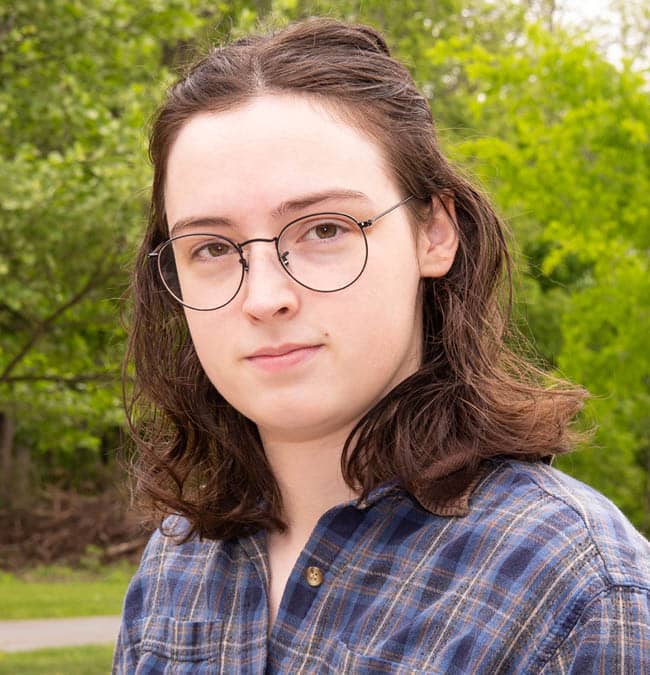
(352, 464)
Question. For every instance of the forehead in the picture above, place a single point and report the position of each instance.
(267, 151)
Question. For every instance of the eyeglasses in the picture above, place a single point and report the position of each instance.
(324, 252)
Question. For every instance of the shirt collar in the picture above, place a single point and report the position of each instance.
(378, 493)
(449, 495)
(447, 491)
(446, 495)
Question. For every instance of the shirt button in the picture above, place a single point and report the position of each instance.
(314, 576)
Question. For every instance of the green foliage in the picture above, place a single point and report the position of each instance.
(89, 660)
(74, 103)
(557, 133)
(564, 145)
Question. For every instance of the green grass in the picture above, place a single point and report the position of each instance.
(89, 660)
(51, 592)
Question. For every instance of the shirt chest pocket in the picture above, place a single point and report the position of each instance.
(352, 664)
(336, 658)
(172, 646)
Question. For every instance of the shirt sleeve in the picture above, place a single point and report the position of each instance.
(134, 612)
(125, 657)
(612, 635)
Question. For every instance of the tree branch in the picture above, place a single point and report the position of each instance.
(45, 324)
(62, 379)
(21, 319)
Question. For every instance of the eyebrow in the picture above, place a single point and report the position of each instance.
(287, 206)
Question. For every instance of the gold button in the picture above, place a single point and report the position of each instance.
(314, 576)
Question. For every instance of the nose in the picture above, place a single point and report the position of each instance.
(268, 291)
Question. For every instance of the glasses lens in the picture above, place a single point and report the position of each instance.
(324, 252)
(202, 271)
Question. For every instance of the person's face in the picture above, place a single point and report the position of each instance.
(339, 353)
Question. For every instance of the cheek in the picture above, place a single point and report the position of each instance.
(385, 326)
(209, 340)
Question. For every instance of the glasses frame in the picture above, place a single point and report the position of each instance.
(362, 224)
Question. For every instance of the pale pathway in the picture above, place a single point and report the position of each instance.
(28, 634)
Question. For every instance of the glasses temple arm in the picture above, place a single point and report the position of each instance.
(367, 223)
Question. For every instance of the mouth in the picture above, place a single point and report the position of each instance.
(274, 359)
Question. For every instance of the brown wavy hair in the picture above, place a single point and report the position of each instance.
(472, 398)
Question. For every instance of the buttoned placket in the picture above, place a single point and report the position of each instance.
(319, 563)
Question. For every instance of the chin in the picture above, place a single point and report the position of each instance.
(300, 422)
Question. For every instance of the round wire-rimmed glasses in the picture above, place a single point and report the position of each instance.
(324, 252)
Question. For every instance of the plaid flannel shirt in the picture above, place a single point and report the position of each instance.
(528, 571)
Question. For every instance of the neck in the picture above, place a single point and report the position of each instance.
(308, 473)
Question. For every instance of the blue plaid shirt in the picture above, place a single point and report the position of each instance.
(528, 571)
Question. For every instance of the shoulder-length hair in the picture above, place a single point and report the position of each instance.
(472, 397)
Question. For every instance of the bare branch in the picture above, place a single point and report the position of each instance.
(62, 379)
(45, 324)
(20, 318)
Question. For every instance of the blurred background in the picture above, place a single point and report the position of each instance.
(546, 103)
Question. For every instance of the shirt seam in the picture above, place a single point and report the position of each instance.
(628, 588)
(585, 523)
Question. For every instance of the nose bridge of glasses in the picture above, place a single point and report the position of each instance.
(264, 240)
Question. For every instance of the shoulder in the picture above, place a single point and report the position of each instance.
(551, 566)
(169, 570)
(534, 499)
(167, 596)
(170, 541)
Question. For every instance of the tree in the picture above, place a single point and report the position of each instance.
(74, 101)
(564, 146)
(558, 134)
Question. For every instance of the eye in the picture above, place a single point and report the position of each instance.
(209, 250)
(325, 230)
(320, 232)
(214, 250)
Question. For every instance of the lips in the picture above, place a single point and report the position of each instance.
(281, 357)
(280, 350)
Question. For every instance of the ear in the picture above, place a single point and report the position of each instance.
(437, 239)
